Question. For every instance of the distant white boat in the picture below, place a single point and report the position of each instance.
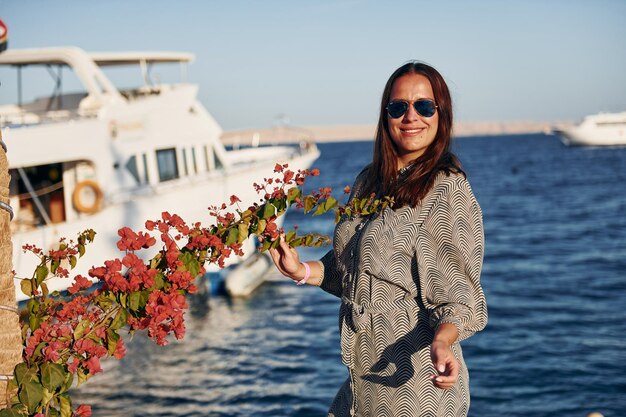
(105, 158)
(603, 129)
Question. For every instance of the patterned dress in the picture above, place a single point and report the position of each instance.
(401, 273)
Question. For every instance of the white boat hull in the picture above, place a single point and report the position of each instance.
(188, 198)
(596, 130)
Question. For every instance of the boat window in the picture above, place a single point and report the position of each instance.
(168, 167)
(146, 177)
(185, 161)
(206, 158)
(218, 162)
(193, 157)
(616, 123)
(131, 166)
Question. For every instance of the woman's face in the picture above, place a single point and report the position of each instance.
(412, 133)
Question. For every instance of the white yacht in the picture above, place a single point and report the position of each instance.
(109, 157)
(603, 129)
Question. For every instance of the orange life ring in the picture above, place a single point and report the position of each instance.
(87, 204)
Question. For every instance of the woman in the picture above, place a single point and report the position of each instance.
(408, 278)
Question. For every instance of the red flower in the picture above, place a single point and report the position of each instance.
(93, 365)
(73, 366)
(120, 350)
(83, 410)
(234, 199)
(288, 176)
(278, 168)
(80, 282)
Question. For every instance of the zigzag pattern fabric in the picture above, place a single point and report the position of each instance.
(400, 274)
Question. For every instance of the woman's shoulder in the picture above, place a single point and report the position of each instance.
(451, 181)
(449, 184)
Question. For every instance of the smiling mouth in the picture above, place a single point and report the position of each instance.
(412, 131)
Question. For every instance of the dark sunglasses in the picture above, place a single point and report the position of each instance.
(423, 107)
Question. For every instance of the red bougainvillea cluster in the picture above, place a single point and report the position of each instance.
(67, 335)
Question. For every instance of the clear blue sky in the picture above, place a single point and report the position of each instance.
(325, 62)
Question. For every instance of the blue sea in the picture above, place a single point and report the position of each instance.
(554, 276)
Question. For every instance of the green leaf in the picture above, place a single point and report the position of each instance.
(52, 376)
(292, 194)
(309, 203)
(27, 287)
(79, 331)
(143, 300)
(47, 396)
(243, 232)
(65, 404)
(13, 412)
(261, 226)
(81, 250)
(54, 265)
(159, 281)
(41, 273)
(133, 300)
(31, 394)
(34, 322)
(20, 372)
(72, 259)
(296, 242)
(122, 299)
(120, 319)
(37, 354)
(233, 235)
(112, 338)
(104, 301)
(290, 236)
(330, 203)
(191, 263)
(82, 377)
(67, 382)
(32, 306)
(280, 204)
(320, 210)
(268, 210)
(44, 289)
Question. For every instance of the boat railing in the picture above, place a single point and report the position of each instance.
(273, 136)
(42, 110)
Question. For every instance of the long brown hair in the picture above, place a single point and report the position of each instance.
(382, 177)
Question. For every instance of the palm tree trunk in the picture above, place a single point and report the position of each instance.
(10, 338)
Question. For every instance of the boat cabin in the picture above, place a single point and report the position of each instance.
(77, 149)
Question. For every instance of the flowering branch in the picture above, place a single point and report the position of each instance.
(67, 335)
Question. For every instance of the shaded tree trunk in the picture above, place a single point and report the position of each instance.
(10, 338)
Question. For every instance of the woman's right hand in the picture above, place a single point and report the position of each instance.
(287, 260)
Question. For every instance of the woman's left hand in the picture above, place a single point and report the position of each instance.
(446, 365)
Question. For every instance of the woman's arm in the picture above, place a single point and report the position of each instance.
(449, 256)
(449, 253)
